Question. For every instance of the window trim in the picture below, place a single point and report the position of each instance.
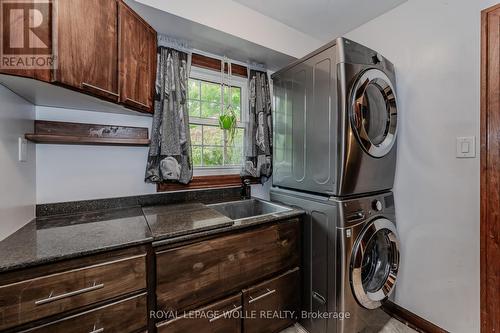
(209, 75)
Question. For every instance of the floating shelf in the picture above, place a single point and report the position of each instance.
(54, 132)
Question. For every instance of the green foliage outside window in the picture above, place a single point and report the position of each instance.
(210, 146)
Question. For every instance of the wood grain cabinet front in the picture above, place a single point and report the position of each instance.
(201, 272)
(274, 304)
(87, 46)
(137, 60)
(35, 298)
(220, 317)
(125, 316)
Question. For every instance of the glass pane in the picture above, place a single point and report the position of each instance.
(237, 110)
(212, 156)
(194, 89)
(376, 263)
(239, 137)
(375, 114)
(196, 138)
(212, 136)
(210, 110)
(194, 108)
(210, 92)
(235, 98)
(196, 156)
(234, 156)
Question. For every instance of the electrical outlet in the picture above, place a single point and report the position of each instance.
(23, 149)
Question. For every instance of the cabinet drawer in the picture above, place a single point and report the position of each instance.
(272, 303)
(127, 316)
(201, 272)
(43, 296)
(221, 317)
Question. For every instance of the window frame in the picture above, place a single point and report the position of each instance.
(209, 75)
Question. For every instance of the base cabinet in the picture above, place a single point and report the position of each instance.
(127, 316)
(220, 317)
(196, 274)
(267, 307)
(272, 305)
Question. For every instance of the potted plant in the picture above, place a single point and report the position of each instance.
(227, 119)
(227, 122)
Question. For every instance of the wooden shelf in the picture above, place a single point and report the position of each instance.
(52, 132)
(77, 140)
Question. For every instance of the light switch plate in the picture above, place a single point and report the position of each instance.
(23, 149)
(466, 147)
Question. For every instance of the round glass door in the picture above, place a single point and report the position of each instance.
(375, 263)
(374, 112)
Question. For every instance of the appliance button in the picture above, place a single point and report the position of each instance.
(377, 205)
(376, 59)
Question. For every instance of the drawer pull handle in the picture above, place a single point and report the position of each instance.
(86, 85)
(319, 298)
(131, 101)
(226, 314)
(268, 293)
(71, 293)
(97, 330)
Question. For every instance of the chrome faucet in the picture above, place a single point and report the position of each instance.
(246, 189)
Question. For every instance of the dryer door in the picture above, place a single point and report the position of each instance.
(375, 263)
(373, 112)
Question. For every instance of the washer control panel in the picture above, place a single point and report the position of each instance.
(358, 210)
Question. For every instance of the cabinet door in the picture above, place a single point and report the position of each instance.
(51, 294)
(220, 317)
(272, 305)
(198, 273)
(126, 316)
(137, 63)
(87, 46)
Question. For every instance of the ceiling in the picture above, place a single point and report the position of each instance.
(322, 19)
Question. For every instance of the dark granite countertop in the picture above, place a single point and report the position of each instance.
(54, 238)
(177, 220)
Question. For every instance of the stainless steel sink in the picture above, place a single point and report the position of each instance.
(237, 210)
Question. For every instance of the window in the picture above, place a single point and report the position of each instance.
(213, 154)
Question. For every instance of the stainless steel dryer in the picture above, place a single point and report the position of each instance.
(350, 260)
(336, 122)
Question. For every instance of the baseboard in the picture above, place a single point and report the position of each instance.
(411, 319)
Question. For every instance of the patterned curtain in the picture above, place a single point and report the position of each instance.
(169, 156)
(259, 143)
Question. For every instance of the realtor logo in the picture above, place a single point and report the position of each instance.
(27, 34)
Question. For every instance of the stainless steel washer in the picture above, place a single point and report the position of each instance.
(350, 259)
(368, 254)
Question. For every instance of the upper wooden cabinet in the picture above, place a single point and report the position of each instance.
(87, 46)
(102, 48)
(137, 60)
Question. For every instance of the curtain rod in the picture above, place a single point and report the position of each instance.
(184, 46)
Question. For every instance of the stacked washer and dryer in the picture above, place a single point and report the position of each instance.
(335, 157)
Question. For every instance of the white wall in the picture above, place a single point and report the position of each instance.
(435, 45)
(17, 179)
(67, 172)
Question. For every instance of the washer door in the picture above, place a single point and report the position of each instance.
(373, 112)
(375, 263)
